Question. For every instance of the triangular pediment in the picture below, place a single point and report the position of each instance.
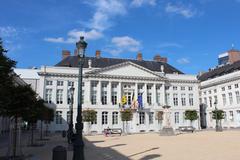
(126, 69)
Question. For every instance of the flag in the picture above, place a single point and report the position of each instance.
(124, 100)
(134, 102)
(140, 104)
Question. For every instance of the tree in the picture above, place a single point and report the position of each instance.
(218, 115)
(89, 116)
(126, 115)
(191, 115)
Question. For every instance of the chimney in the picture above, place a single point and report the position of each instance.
(158, 58)
(139, 56)
(65, 53)
(75, 52)
(98, 53)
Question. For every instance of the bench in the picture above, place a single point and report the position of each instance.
(110, 131)
(186, 129)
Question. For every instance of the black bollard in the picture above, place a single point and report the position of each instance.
(59, 153)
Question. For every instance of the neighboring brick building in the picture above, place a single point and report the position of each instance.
(229, 57)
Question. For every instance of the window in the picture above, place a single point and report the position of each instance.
(140, 90)
(70, 83)
(223, 88)
(210, 116)
(115, 118)
(59, 83)
(224, 99)
(104, 117)
(142, 118)
(231, 117)
(158, 96)
(149, 94)
(68, 116)
(59, 96)
(229, 87)
(183, 99)
(176, 117)
(215, 100)
(237, 97)
(94, 92)
(167, 98)
(129, 98)
(114, 94)
(174, 87)
(69, 97)
(58, 117)
(209, 92)
(191, 99)
(190, 88)
(205, 101)
(95, 121)
(151, 117)
(204, 93)
(210, 101)
(225, 117)
(48, 96)
(167, 87)
(215, 90)
(236, 85)
(230, 98)
(182, 88)
(49, 83)
(104, 93)
(175, 99)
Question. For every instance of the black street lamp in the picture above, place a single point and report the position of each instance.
(218, 128)
(78, 144)
(70, 125)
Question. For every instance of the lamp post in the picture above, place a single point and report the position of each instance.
(216, 117)
(70, 125)
(78, 144)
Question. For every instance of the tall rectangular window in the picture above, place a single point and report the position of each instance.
(149, 94)
(191, 100)
(224, 99)
(176, 117)
(94, 92)
(70, 83)
(231, 116)
(175, 99)
(183, 99)
(190, 88)
(151, 117)
(205, 101)
(215, 100)
(210, 101)
(59, 83)
(225, 117)
(115, 118)
(158, 94)
(104, 117)
(104, 93)
(175, 88)
(58, 117)
(95, 121)
(48, 96)
(182, 88)
(237, 97)
(142, 117)
(230, 98)
(167, 98)
(114, 94)
(59, 96)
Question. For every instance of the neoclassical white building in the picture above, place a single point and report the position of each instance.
(107, 80)
(220, 87)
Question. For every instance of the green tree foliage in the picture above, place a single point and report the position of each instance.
(218, 114)
(191, 115)
(126, 115)
(89, 115)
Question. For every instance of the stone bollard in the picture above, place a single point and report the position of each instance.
(59, 153)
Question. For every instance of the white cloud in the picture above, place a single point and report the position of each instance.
(123, 44)
(8, 31)
(170, 44)
(74, 35)
(104, 12)
(183, 61)
(185, 11)
(139, 3)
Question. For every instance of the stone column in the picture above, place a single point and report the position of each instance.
(144, 96)
(119, 96)
(109, 93)
(87, 92)
(99, 93)
(163, 95)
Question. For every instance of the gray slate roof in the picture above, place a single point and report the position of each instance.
(72, 61)
(229, 68)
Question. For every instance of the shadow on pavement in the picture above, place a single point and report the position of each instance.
(143, 152)
(151, 157)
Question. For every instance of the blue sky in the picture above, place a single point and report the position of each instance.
(189, 33)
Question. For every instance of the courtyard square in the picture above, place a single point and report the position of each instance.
(204, 145)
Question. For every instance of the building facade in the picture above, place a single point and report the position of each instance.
(220, 88)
